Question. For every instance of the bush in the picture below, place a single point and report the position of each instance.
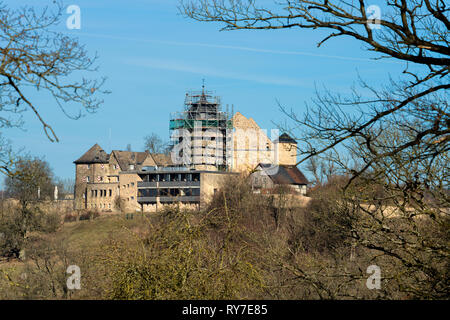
(89, 215)
(70, 217)
(180, 259)
(17, 222)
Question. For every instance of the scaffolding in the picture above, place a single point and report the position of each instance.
(210, 129)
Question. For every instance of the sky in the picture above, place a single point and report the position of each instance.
(152, 55)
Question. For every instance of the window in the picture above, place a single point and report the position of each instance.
(132, 184)
(131, 166)
(88, 166)
(163, 192)
(110, 192)
(148, 193)
(87, 178)
(132, 198)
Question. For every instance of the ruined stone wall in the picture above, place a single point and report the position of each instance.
(251, 145)
(210, 182)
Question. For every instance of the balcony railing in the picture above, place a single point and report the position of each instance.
(167, 199)
(166, 184)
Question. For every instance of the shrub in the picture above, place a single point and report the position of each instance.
(70, 217)
(89, 215)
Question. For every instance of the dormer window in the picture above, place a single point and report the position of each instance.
(131, 166)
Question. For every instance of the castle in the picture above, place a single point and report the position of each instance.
(207, 145)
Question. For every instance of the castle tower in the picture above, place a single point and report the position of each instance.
(90, 167)
(287, 150)
(201, 132)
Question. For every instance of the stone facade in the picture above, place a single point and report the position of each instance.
(251, 146)
(109, 182)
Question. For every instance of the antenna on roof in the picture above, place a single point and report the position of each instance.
(109, 138)
(203, 86)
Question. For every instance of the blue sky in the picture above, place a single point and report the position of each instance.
(152, 55)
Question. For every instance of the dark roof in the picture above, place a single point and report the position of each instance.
(94, 155)
(126, 158)
(285, 138)
(285, 174)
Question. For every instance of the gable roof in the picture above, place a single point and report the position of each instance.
(124, 158)
(285, 138)
(127, 158)
(94, 155)
(285, 174)
(162, 160)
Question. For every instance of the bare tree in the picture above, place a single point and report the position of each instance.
(415, 32)
(30, 174)
(65, 186)
(30, 182)
(7, 156)
(391, 142)
(33, 56)
(154, 144)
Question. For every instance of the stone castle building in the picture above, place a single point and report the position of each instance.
(218, 145)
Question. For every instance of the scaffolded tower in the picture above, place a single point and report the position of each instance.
(209, 131)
